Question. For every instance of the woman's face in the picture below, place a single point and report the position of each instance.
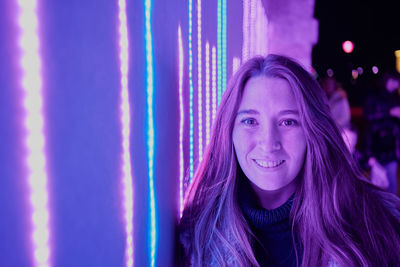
(267, 135)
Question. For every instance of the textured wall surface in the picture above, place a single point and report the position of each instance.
(292, 28)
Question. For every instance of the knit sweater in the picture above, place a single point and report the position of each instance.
(273, 230)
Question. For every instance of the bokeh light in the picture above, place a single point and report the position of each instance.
(348, 46)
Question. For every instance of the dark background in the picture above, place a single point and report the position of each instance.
(373, 27)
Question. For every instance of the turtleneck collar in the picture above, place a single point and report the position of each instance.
(275, 219)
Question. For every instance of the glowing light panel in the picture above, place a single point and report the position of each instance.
(181, 121)
(191, 167)
(208, 113)
(199, 84)
(125, 121)
(34, 123)
(150, 128)
(214, 82)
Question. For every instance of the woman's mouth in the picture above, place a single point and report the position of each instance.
(268, 163)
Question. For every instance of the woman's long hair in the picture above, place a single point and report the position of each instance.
(337, 214)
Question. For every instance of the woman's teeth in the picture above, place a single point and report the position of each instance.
(269, 163)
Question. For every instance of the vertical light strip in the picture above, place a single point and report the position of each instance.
(181, 121)
(207, 93)
(245, 43)
(214, 82)
(219, 50)
(34, 123)
(199, 84)
(252, 32)
(191, 167)
(125, 121)
(150, 128)
(260, 29)
(224, 19)
(235, 64)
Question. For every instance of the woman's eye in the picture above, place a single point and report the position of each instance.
(289, 123)
(249, 121)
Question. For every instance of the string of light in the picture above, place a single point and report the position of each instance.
(34, 123)
(150, 128)
(125, 121)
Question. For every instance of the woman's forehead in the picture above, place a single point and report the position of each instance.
(273, 94)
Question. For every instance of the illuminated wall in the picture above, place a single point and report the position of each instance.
(105, 110)
(292, 28)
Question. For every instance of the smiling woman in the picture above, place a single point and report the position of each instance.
(277, 185)
(268, 139)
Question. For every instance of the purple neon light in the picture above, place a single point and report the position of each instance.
(125, 121)
(260, 30)
(214, 82)
(34, 124)
(181, 121)
(199, 83)
(207, 93)
(252, 25)
(255, 29)
(246, 25)
(235, 64)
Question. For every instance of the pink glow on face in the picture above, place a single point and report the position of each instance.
(34, 124)
(181, 121)
(214, 82)
(125, 121)
(348, 46)
(208, 113)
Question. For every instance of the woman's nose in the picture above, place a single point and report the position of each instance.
(269, 139)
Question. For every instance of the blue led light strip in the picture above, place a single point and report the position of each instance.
(223, 46)
(219, 51)
(191, 91)
(150, 128)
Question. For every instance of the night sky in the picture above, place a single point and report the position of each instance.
(373, 27)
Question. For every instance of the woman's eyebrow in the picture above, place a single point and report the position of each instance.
(288, 111)
(247, 111)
